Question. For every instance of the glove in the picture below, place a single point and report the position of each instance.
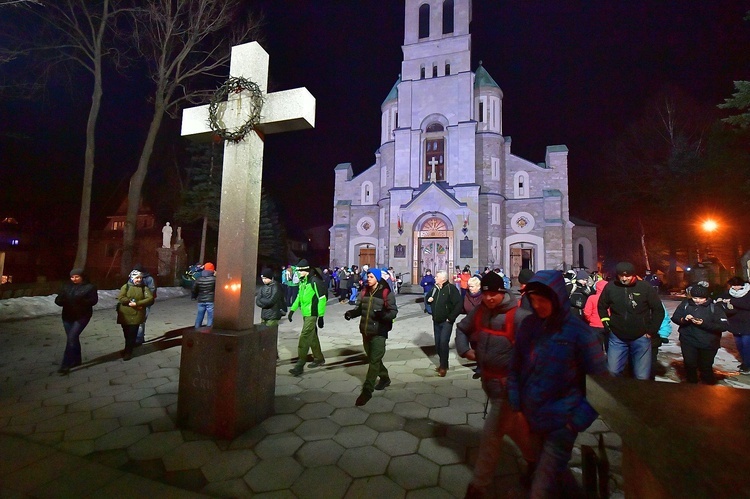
(664, 341)
(377, 315)
(291, 313)
(320, 322)
(347, 316)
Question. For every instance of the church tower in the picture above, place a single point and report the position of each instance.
(445, 189)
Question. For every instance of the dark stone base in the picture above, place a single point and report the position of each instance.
(227, 380)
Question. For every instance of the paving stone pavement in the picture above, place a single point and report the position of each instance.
(108, 428)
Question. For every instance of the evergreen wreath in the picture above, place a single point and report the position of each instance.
(235, 85)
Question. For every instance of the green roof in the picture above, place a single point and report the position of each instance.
(393, 94)
(483, 79)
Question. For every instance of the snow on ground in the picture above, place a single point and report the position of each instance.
(27, 307)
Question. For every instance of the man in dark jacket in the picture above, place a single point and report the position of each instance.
(632, 313)
(270, 299)
(203, 290)
(376, 305)
(446, 303)
(554, 352)
(77, 299)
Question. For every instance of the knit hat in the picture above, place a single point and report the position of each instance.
(376, 272)
(209, 266)
(698, 291)
(525, 275)
(267, 273)
(134, 274)
(77, 271)
(303, 265)
(493, 282)
(625, 268)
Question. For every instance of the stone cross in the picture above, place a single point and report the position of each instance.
(433, 163)
(239, 218)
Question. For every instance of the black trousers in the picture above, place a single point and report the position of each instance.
(130, 333)
(699, 360)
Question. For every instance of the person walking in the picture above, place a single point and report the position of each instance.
(554, 352)
(131, 310)
(736, 303)
(632, 313)
(204, 289)
(486, 335)
(77, 299)
(700, 326)
(591, 314)
(270, 298)
(376, 307)
(446, 303)
(311, 301)
(149, 282)
(427, 283)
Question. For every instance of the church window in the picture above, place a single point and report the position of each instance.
(521, 185)
(447, 17)
(447, 69)
(495, 165)
(435, 127)
(495, 214)
(367, 193)
(435, 159)
(119, 225)
(421, 73)
(581, 259)
(395, 120)
(481, 112)
(434, 71)
(424, 21)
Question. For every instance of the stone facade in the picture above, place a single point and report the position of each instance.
(445, 189)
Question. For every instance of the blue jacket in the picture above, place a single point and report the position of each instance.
(427, 283)
(551, 360)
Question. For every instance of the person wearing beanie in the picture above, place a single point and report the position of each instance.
(486, 335)
(376, 307)
(311, 301)
(149, 282)
(736, 303)
(204, 291)
(446, 303)
(132, 301)
(77, 299)
(554, 352)
(524, 276)
(701, 323)
(270, 299)
(632, 313)
(427, 283)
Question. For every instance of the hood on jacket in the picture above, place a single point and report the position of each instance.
(600, 286)
(551, 285)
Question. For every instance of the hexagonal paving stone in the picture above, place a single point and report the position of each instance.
(450, 391)
(442, 450)
(273, 474)
(467, 405)
(364, 461)
(386, 421)
(116, 410)
(229, 464)
(455, 478)
(139, 394)
(327, 481)
(281, 423)
(159, 400)
(190, 455)
(423, 428)
(349, 416)
(343, 386)
(121, 438)
(314, 395)
(432, 400)
(315, 410)
(36, 415)
(66, 398)
(378, 403)
(375, 486)
(356, 436)
(317, 429)
(63, 422)
(319, 453)
(278, 445)
(397, 443)
(448, 415)
(91, 429)
(411, 410)
(287, 404)
(155, 445)
(413, 472)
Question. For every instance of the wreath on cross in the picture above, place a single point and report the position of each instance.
(235, 85)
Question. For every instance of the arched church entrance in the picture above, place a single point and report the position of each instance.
(432, 247)
(366, 256)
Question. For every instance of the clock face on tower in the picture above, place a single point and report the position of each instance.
(366, 226)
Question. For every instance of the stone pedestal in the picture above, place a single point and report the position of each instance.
(227, 380)
(165, 261)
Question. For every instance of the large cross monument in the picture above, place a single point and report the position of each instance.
(227, 376)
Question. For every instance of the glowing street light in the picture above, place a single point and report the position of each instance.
(710, 225)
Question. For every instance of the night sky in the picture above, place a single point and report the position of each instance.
(571, 73)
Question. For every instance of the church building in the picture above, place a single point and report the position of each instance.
(445, 189)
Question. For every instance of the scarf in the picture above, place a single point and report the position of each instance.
(739, 293)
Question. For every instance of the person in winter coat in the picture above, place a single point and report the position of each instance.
(632, 312)
(77, 299)
(591, 314)
(311, 301)
(270, 298)
(554, 352)
(656, 341)
(131, 311)
(427, 283)
(204, 290)
(473, 297)
(376, 307)
(446, 305)
(344, 277)
(736, 303)
(700, 326)
(149, 282)
(488, 328)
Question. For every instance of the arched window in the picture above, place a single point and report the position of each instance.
(447, 69)
(521, 185)
(421, 72)
(434, 153)
(366, 192)
(424, 21)
(447, 17)
(581, 255)
(434, 71)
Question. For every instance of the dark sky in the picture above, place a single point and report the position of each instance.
(571, 73)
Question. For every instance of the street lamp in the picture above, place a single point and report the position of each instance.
(709, 226)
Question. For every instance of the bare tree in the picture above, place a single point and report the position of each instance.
(180, 40)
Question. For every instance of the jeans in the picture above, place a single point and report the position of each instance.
(308, 340)
(141, 337)
(73, 330)
(699, 359)
(638, 351)
(427, 306)
(553, 478)
(375, 351)
(205, 308)
(743, 347)
(443, 331)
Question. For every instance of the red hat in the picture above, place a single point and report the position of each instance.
(209, 266)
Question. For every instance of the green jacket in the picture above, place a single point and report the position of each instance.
(132, 316)
(311, 299)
